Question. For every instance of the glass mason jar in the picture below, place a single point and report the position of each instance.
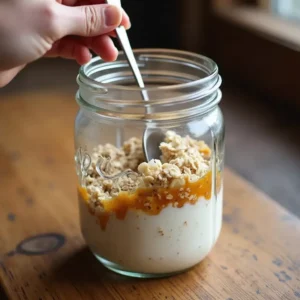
(156, 218)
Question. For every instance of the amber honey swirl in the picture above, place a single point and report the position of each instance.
(153, 201)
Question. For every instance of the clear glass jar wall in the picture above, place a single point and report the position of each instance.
(150, 219)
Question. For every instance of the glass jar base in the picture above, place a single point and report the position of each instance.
(118, 269)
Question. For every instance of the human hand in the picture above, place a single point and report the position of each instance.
(32, 29)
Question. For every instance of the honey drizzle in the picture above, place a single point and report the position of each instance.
(153, 201)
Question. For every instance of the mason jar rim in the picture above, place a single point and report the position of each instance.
(185, 84)
(84, 78)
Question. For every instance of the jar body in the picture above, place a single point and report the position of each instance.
(158, 222)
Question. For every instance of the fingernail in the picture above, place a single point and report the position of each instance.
(112, 16)
(129, 25)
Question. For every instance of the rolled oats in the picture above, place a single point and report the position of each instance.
(183, 158)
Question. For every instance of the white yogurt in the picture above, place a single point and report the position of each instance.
(172, 241)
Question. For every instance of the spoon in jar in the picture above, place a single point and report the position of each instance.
(151, 137)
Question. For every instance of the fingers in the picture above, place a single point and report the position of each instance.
(102, 46)
(125, 20)
(88, 21)
(7, 76)
(82, 55)
(72, 48)
(81, 2)
(95, 23)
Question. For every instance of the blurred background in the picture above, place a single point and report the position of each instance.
(256, 45)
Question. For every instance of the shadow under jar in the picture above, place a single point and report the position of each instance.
(157, 218)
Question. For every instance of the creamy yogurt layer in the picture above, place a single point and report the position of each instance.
(171, 241)
(158, 217)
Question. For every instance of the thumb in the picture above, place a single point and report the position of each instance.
(88, 20)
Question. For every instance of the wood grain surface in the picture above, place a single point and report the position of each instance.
(256, 257)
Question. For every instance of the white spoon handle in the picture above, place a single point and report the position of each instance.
(124, 41)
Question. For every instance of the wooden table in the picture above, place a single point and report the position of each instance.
(256, 257)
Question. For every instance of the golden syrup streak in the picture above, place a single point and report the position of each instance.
(153, 201)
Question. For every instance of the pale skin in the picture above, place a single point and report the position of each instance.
(33, 29)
